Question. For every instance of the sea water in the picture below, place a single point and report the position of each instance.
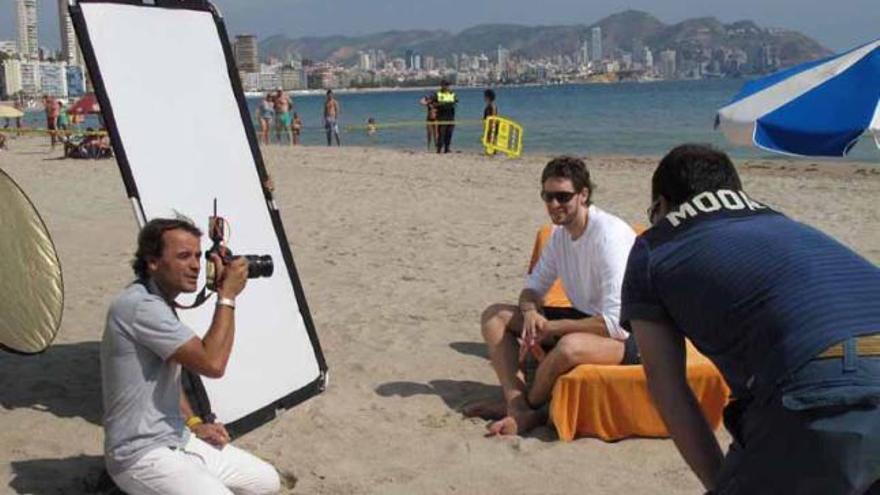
(622, 119)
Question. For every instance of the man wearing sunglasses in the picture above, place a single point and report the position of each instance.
(588, 251)
(791, 318)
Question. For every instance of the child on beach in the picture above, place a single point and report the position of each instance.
(297, 128)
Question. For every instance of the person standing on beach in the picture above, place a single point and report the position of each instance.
(431, 129)
(51, 107)
(283, 106)
(588, 251)
(445, 101)
(266, 116)
(490, 110)
(153, 444)
(296, 127)
(331, 118)
(789, 316)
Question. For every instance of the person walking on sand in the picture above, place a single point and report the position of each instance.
(51, 107)
(331, 118)
(297, 127)
(431, 129)
(266, 116)
(283, 107)
(588, 251)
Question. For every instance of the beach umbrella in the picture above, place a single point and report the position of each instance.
(819, 108)
(9, 112)
(88, 104)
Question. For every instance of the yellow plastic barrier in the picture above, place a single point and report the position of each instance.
(502, 135)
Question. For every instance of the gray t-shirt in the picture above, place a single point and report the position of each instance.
(141, 385)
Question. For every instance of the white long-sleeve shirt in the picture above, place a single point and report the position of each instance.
(591, 267)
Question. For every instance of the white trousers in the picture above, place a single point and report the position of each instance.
(199, 468)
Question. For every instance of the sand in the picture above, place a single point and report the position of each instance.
(398, 252)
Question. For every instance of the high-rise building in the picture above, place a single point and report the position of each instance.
(10, 78)
(69, 49)
(408, 58)
(667, 64)
(596, 35)
(584, 55)
(28, 43)
(648, 58)
(245, 53)
(503, 56)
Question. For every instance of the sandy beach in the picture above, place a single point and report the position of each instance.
(398, 252)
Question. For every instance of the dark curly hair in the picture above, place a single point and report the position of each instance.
(150, 243)
(690, 169)
(573, 169)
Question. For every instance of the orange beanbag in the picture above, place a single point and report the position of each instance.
(612, 402)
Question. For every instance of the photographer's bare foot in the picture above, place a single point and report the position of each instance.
(486, 409)
(517, 422)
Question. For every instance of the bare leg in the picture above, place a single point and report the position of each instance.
(572, 350)
(500, 325)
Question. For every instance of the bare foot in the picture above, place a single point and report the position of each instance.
(518, 421)
(486, 409)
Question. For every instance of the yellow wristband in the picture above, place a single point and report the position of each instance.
(193, 421)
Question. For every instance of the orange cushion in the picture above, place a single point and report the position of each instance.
(612, 402)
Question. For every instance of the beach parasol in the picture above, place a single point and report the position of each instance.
(818, 108)
(9, 112)
(88, 104)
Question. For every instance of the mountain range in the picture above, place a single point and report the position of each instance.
(621, 31)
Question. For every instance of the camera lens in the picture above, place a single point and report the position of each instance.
(259, 265)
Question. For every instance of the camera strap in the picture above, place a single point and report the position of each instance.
(201, 297)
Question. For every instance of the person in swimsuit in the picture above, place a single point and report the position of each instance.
(331, 117)
(282, 117)
(265, 116)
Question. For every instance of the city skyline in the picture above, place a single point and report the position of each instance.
(265, 18)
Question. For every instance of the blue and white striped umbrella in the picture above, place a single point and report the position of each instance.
(819, 108)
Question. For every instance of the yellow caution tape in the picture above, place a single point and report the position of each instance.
(68, 132)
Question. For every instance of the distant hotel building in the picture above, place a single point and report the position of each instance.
(245, 53)
(596, 34)
(10, 78)
(668, 67)
(27, 29)
(69, 49)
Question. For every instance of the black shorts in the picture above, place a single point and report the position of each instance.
(630, 349)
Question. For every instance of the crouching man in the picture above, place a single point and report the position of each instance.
(148, 446)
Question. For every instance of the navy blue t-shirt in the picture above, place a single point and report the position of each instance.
(756, 292)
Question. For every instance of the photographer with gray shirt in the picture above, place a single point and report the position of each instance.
(151, 445)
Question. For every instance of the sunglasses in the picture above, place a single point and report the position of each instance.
(561, 197)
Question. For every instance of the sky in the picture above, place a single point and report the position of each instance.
(838, 25)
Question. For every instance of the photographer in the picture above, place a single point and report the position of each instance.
(148, 445)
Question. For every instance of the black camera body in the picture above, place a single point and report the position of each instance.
(259, 265)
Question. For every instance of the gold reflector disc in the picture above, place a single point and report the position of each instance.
(31, 288)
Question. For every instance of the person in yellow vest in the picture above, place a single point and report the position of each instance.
(445, 101)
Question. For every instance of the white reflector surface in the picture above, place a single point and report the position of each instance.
(179, 124)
